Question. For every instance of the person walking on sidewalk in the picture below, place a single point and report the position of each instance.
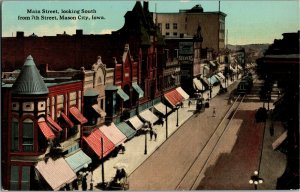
(189, 103)
(151, 131)
(154, 130)
(214, 112)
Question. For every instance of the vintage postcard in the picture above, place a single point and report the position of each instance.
(150, 95)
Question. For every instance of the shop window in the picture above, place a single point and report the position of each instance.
(24, 179)
(15, 135)
(28, 135)
(25, 182)
(14, 178)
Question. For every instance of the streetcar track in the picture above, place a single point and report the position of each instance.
(226, 116)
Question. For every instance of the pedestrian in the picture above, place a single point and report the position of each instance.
(151, 131)
(190, 102)
(154, 130)
(84, 183)
(214, 112)
(75, 185)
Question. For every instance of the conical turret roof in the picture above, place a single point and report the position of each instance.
(29, 81)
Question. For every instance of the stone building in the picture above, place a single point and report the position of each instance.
(185, 22)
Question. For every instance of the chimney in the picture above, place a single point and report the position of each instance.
(146, 5)
(20, 34)
(79, 31)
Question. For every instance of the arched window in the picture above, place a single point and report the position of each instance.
(15, 135)
(28, 127)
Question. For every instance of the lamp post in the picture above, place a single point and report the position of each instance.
(255, 180)
(166, 120)
(145, 151)
(177, 107)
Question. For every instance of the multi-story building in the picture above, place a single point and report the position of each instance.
(185, 22)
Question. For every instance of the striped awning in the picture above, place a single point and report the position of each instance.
(147, 115)
(67, 120)
(160, 107)
(128, 131)
(198, 85)
(136, 122)
(53, 123)
(212, 80)
(99, 110)
(221, 75)
(94, 143)
(56, 173)
(174, 98)
(218, 77)
(122, 94)
(182, 93)
(113, 134)
(78, 160)
(46, 130)
(77, 114)
(137, 88)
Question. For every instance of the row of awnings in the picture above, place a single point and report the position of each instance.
(198, 84)
(135, 86)
(49, 127)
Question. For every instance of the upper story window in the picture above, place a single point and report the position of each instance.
(167, 25)
(167, 33)
(15, 135)
(27, 140)
(174, 25)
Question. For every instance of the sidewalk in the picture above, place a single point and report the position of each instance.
(134, 155)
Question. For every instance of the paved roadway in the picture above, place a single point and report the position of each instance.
(164, 169)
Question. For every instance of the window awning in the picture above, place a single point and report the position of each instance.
(147, 115)
(122, 94)
(56, 173)
(53, 123)
(279, 140)
(67, 120)
(94, 142)
(46, 130)
(99, 110)
(206, 68)
(173, 97)
(126, 130)
(160, 107)
(232, 69)
(239, 67)
(136, 122)
(212, 80)
(218, 78)
(182, 93)
(77, 114)
(205, 81)
(78, 160)
(198, 85)
(212, 63)
(137, 88)
(113, 134)
(221, 75)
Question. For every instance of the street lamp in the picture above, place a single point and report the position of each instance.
(177, 107)
(255, 180)
(166, 120)
(146, 129)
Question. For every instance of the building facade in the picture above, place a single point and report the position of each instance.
(185, 23)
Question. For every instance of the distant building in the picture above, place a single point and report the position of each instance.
(185, 23)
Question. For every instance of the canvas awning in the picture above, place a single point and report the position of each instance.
(182, 93)
(212, 80)
(94, 142)
(99, 110)
(46, 130)
(212, 63)
(174, 98)
(147, 115)
(221, 75)
(113, 134)
(128, 131)
(218, 77)
(137, 88)
(206, 68)
(56, 173)
(53, 123)
(77, 114)
(67, 120)
(232, 69)
(122, 94)
(279, 140)
(239, 67)
(136, 122)
(198, 85)
(160, 107)
(78, 160)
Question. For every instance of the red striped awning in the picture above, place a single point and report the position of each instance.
(94, 142)
(46, 130)
(67, 120)
(174, 97)
(53, 123)
(113, 133)
(77, 114)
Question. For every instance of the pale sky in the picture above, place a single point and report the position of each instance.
(247, 21)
